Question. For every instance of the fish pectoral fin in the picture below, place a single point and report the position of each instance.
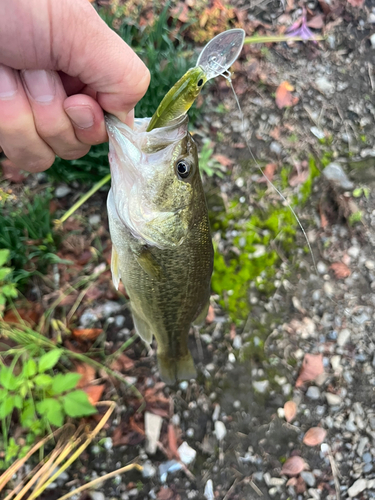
(142, 328)
(148, 263)
(200, 319)
(114, 268)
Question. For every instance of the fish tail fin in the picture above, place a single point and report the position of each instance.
(172, 370)
(114, 268)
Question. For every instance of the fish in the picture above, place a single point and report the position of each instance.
(161, 242)
(180, 98)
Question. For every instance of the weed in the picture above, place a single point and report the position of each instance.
(7, 287)
(207, 164)
(26, 231)
(355, 217)
(39, 397)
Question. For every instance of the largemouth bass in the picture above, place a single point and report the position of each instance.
(162, 249)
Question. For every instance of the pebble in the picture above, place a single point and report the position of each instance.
(209, 490)
(350, 426)
(313, 392)
(88, 318)
(108, 445)
(321, 267)
(354, 252)
(343, 337)
(335, 173)
(367, 457)
(333, 399)
(362, 445)
(148, 469)
(309, 478)
(324, 85)
(94, 219)
(328, 289)
(220, 430)
(275, 147)
(372, 40)
(261, 385)
(356, 488)
(237, 342)
(368, 468)
(184, 385)
(97, 495)
(119, 321)
(317, 132)
(62, 191)
(231, 358)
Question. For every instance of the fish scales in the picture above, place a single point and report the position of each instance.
(166, 271)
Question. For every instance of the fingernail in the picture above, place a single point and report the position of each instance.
(40, 84)
(8, 82)
(81, 116)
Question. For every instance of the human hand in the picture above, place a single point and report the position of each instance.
(60, 67)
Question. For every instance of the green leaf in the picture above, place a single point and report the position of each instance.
(4, 256)
(8, 380)
(4, 272)
(42, 380)
(29, 368)
(18, 401)
(52, 410)
(48, 360)
(7, 406)
(9, 291)
(28, 414)
(64, 382)
(76, 404)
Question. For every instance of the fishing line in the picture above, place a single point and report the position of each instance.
(227, 75)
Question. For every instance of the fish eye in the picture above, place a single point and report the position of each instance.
(183, 169)
(200, 82)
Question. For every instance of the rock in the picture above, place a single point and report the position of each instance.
(317, 132)
(261, 385)
(62, 191)
(88, 318)
(110, 308)
(152, 430)
(119, 321)
(237, 342)
(354, 252)
(343, 337)
(187, 453)
(97, 495)
(321, 267)
(356, 488)
(362, 445)
(333, 399)
(220, 430)
(148, 469)
(209, 490)
(350, 426)
(313, 392)
(367, 457)
(370, 264)
(275, 147)
(108, 444)
(308, 477)
(372, 40)
(371, 18)
(95, 219)
(334, 172)
(324, 85)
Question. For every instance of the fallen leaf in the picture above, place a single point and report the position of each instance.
(30, 316)
(312, 367)
(316, 22)
(87, 333)
(341, 270)
(87, 373)
(269, 172)
(165, 494)
(122, 363)
(314, 436)
(284, 97)
(223, 160)
(356, 3)
(210, 318)
(290, 410)
(293, 466)
(300, 175)
(94, 392)
(180, 12)
(172, 442)
(232, 332)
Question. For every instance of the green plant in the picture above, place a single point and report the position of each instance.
(39, 397)
(26, 231)
(207, 164)
(7, 287)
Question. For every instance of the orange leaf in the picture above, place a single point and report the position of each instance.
(94, 392)
(314, 436)
(356, 3)
(284, 97)
(88, 373)
(87, 333)
(180, 12)
(312, 367)
(223, 160)
(26, 315)
(316, 22)
(172, 442)
(293, 466)
(269, 171)
(290, 410)
(210, 318)
(341, 270)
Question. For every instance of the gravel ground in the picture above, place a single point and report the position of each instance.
(233, 418)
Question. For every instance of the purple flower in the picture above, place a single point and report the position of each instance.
(300, 29)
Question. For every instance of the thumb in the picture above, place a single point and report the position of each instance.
(88, 49)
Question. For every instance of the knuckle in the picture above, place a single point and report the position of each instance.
(74, 154)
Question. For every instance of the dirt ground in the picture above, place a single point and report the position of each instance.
(233, 416)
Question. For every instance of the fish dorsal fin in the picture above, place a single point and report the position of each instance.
(148, 263)
(114, 268)
(142, 328)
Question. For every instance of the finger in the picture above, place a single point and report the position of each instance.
(18, 136)
(81, 109)
(46, 96)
